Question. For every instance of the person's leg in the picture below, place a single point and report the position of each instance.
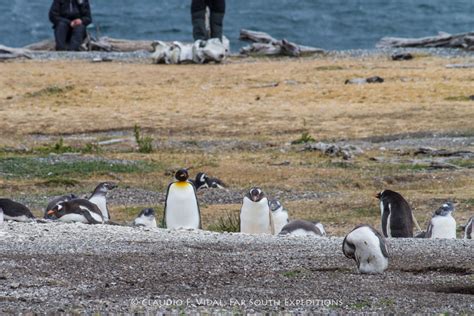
(198, 19)
(217, 18)
(61, 31)
(77, 36)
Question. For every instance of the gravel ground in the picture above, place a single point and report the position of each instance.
(79, 268)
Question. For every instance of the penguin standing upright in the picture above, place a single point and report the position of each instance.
(181, 206)
(14, 211)
(442, 224)
(468, 228)
(99, 198)
(397, 216)
(303, 228)
(367, 247)
(279, 216)
(255, 217)
(77, 211)
(146, 218)
(56, 201)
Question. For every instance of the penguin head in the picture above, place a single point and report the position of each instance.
(445, 210)
(182, 175)
(57, 211)
(388, 194)
(104, 187)
(202, 180)
(274, 205)
(256, 194)
(148, 212)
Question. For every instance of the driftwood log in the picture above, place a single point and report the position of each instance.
(106, 44)
(464, 40)
(265, 44)
(11, 53)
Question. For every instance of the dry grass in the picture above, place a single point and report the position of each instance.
(239, 101)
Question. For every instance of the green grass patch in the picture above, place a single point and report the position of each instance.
(366, 212)
(60, 181)
(295, 273)
(144, 142)
(230, 222)
(48, 168)
(60, 148)
(464, 163)
(50, 91)
(303, 139)
(411, 167)
(360, 304)
(329, 68)
(459, 98)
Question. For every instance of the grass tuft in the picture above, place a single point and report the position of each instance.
(144, 143)
(304, 138)
(230, 222)
(50, 91)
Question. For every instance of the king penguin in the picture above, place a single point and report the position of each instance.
(397, 216)
(14, 211)
(468, 228)
(99, 198)
(303, 228)
(255, 217)
(442, 224)
(367, 247)
(146, 218)
(58, 200)
(181, 206)
(279, 216)
(77, 211)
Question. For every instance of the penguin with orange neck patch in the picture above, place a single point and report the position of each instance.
(181, 206)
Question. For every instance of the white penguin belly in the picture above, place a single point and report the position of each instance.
(279, 219)
(368, 252)
(443, 227)
(321, 228)
(1, 217)
(101, 203)
(182, 207)
(73, 218)
(21, 218)
(255, 217)
(303, 232)
(145, 221)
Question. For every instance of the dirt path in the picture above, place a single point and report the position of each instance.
(79, 268)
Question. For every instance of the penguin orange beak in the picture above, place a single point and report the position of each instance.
(50, 212)
(377, 195)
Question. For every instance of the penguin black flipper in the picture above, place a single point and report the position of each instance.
(88, 216)
(163, 222)
(383, 245)
(199, 209)
(350, 252)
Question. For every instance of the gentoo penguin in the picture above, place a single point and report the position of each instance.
(397, 216)
(367, 247)
(52, 204)
(77, 211)
(468, 228)
(146, 218)
(14, 211)
(204, 181)
(181, 205)
(99, 198)
(215, 183)
(442, 224)
(279, 216)
(255, 217)
(303, 228)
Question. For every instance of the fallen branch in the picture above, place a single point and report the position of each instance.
(463, 40)
(10, 53)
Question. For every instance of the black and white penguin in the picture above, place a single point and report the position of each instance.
(200, 181)
(77, 211)
(14, 211)
(52, 204)
(146, 218)
(255, 217)
(397, 216)
(468, 228)
(279, 216)
(303, 228)
(1, 215)
(99, 198)
(442, 224)
(215, 183)
(367, 247)
(181, 206)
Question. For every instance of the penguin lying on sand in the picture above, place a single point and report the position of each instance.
(181, 206)
(255, 214)
(146, 218)
(367, 247)
(397, 216)
(468, 228)
(442, 224)
(14, 211)
(303, 228)
(279, 216)
(77, 211)
(58, 200)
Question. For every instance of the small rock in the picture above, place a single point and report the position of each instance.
(15, 285)
(402, 56)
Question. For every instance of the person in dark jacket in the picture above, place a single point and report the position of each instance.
(70, 19)
(198, 18)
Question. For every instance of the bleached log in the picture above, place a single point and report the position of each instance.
(463, 40)
(10, 52)
(256, 37)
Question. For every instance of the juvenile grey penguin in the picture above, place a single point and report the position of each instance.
(52, 204)
(99, 198)
(77, 211)
(442, 224)
(279, 216)
(468, 228)
(397, 216)
(303, 228)
(255, 217)
(146, 218)
(367, 247)
(14, 211)
(181, 206)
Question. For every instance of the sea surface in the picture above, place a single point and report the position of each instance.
(329, 24)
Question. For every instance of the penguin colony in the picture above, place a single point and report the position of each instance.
(258, 215)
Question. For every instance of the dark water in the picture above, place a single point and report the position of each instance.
(330, 24)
